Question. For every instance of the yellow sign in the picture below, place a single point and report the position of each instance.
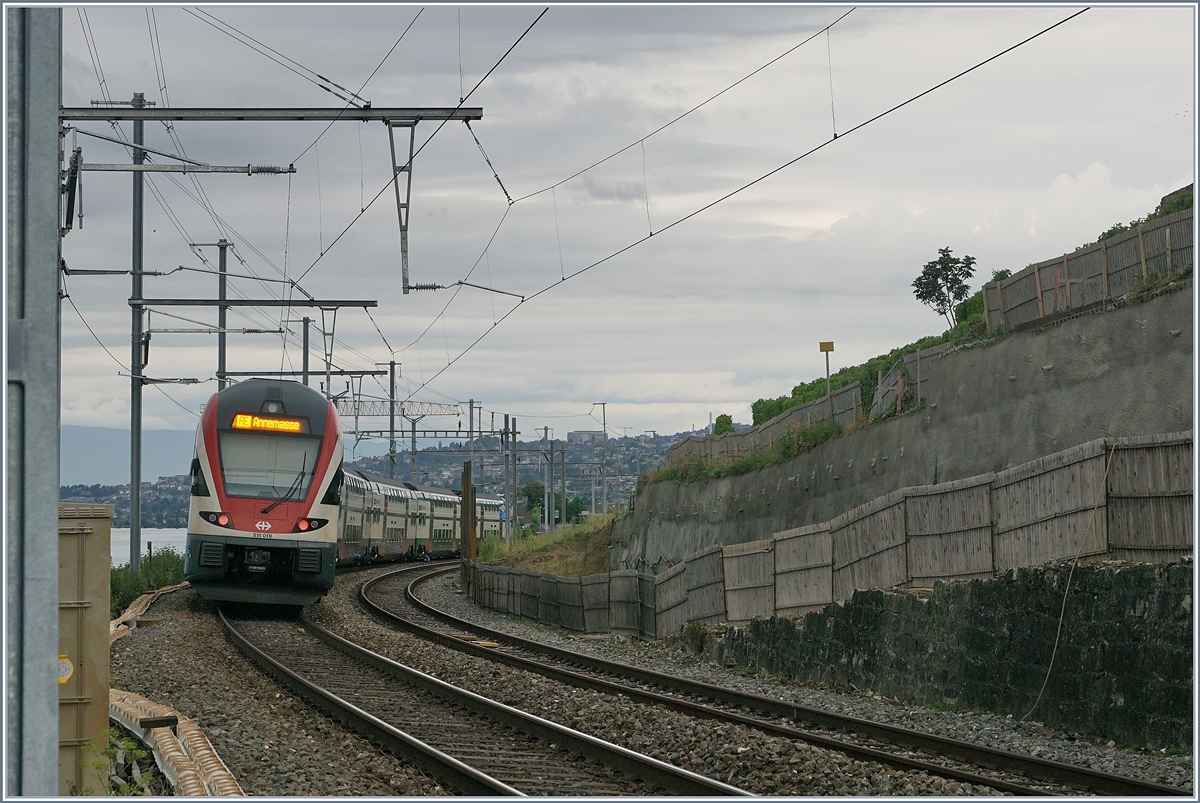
(826, 345)
(247, 421)
(65, 669)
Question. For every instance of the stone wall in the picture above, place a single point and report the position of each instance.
(987, 408)
(1123, 670)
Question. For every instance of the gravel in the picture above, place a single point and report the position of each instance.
(979, 727)
(734, 754)
(272, 741)
(276, 745)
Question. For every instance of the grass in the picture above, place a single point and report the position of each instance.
(800, 440)
(571, 551)
(163, 568)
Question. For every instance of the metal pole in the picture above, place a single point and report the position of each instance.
(564, 483)
(547, 515)
(471, 434)
(222, 244)
(135, 361)
(32, 250)
(513, 440)
(392, 421)
(604, 456)
(510, 504)
(412, 455)
(306, 322)
(828, 392)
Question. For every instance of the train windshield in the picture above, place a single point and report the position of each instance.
(268, 466)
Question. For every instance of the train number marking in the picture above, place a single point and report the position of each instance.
(262, 526)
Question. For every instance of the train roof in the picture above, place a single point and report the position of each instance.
(413, 487)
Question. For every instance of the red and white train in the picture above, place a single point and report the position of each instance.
(273, 510)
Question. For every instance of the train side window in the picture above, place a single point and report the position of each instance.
(333, 496)
(199, 486)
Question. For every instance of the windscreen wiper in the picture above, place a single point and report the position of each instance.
(295, 486)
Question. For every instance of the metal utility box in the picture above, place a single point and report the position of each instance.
(84, 533)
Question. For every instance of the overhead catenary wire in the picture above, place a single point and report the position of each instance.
(378, 66)
(641, 142)
(748, 185)
(423, 144)
(313, 77)
(695, 108)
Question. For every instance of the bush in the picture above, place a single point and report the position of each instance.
(164, 568)
(789, 445)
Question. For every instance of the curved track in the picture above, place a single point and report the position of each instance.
(899, 747)
(472, 744)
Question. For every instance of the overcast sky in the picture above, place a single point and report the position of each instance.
(1020, 161)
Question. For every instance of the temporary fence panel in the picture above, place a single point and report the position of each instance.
(647, 615)
(570, 603)
(705, 586)
(531, 592)
(514, 591)
(1051, 508)
(1150, 487)
(1110, 268)
(949, 530)
(624, 604)
(548, 600)
(670, 600)
(803, 569)
(749, 571)
(594, 590)
(869, 546)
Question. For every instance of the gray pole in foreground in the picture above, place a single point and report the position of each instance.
(471, 436)
(604, 456)
(33, 94)
(135, 362)
(513, 440)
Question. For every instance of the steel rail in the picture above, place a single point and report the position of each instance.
(684, 706)
(1031, 766)
(676, 779)
(434, 762)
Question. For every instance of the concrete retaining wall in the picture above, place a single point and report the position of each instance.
(988, 408)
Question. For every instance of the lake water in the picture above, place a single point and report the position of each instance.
(174, 537)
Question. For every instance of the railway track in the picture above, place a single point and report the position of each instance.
(469, 743)
(391, 600)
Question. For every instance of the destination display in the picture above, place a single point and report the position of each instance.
(258, 422)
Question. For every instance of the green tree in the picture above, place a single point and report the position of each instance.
(943, 283)
(724, 424)
(534, 494)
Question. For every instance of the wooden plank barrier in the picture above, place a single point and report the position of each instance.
(1050, 508)
(624, 604)
(949, 530)
(647, 613)
(706, 586)
(749, 571)
(531, 589)
(570, 603)
(547, 600)
(594, 590)
(803, 569)
(869, 546)
(670, 600)
(1150, 487)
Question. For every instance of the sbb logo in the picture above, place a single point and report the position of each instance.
(263, 526)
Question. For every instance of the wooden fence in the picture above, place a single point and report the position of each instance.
(715, 450)
(1124, 498)
(1108, 269)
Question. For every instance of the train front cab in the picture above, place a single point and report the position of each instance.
(264, 508)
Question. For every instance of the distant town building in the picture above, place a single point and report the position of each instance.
(585, 435)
